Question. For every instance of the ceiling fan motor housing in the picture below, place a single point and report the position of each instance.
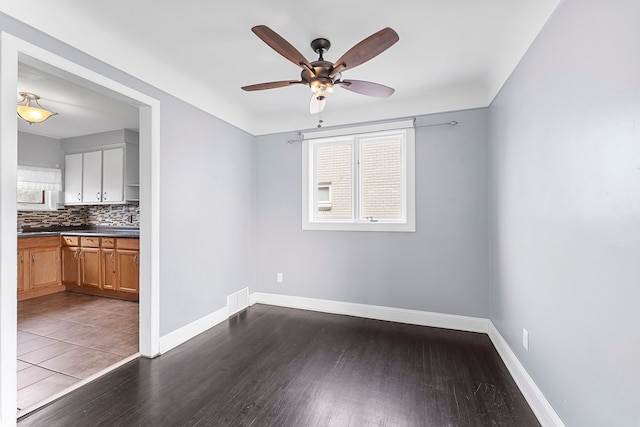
(319, 80)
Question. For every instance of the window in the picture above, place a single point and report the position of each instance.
(37, 200)
(359, 179)
(32, 197)
(38, 188)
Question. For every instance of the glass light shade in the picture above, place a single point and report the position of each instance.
(320, 88)
(29, 113)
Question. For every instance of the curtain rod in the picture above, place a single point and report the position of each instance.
(451, 123)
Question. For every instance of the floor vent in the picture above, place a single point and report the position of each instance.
(238, 301)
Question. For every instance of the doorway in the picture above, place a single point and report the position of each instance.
(15, 51)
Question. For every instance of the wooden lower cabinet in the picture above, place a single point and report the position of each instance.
(23, 270)
(39, 261)
(70, 265)
(128, 270)
(96, 265)
(90, 267)
(108, 262)
(101, 266)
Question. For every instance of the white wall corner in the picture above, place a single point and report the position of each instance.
(539, 404)
(391, 314)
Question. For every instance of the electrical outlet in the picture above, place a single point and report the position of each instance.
(525, 339)
(279, 277)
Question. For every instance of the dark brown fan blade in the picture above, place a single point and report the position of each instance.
(367, 88)
(271, 85)
(368, 48)
(281, 46)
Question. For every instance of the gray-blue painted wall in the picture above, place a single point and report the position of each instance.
(565, 203)
(442, 267)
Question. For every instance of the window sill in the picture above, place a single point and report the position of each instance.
(360, 226)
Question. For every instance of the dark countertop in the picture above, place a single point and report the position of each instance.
(80, 231)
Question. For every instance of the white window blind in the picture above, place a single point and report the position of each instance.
(39, 178)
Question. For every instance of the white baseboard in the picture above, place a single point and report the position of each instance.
(539, 404)
(391, 314)
(185, 333)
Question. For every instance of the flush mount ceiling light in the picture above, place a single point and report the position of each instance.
(30, 110)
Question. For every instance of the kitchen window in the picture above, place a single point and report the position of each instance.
(38, 188)
(360, 179)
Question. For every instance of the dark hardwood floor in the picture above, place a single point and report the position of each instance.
(272, 366)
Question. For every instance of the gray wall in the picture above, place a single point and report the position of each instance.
(207, 213)
(206, 192)
(442, 267)
(35, 150)
(565, 202)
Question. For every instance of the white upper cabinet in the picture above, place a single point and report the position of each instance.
(92, 177)
(102, 174)
(113, 175)
(73, 178)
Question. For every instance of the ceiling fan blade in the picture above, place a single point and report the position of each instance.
(280, 45)
(271, 85)
(316, 105)
(367, 88)
(368, 48)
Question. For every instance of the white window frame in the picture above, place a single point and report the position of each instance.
(51, 200)
(354, 136)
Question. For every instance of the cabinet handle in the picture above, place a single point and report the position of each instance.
(104, 196)
(21, 258)
(98, 195)
(111, 256)
(79, 196)
(135, 259)
(33, 257)
(75, 254)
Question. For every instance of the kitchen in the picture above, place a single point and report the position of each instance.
(78, 237)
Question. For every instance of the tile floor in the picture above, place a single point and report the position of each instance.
(66, 337)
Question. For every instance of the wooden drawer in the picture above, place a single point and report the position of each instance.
(108, 242)
(38, 242)
(70, 240)
(90, 242)
(128, 243)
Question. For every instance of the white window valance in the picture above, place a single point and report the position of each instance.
(39, 178)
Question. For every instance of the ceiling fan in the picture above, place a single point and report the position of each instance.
(321, 76)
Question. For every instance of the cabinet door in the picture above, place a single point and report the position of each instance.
(113, 175)
(108, 269)
(73, 178)
(45, 267)
(128, 270)
(92, 177)
(90, 267)
(71, 265)
(23, 270)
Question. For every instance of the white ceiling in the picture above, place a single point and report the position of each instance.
(452, 55)
(81, 110)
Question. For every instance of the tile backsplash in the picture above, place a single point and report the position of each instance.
(105, 215)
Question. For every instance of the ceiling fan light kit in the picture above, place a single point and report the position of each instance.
(322, 76)
(30, 113)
